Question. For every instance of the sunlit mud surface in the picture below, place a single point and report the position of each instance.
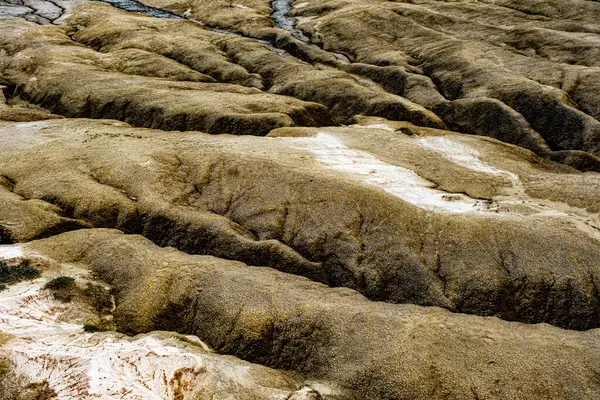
(401, 182)
(47, 346)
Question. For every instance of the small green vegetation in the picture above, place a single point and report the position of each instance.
(15, 272)
(62, 282)
(64, 288)
(92, 329)
(2, 287)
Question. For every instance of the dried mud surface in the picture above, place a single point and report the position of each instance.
(305, 200)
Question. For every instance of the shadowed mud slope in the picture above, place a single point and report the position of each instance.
(324, 199)
(419, 218)
(539, 63)
(474, 76)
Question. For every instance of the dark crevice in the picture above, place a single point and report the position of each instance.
(7, 183)
(10, 91)
(5, 236)
(67, 225)
(67, 221)
(360, 256)
(166, 229)
(437, 266)
(275, 43)
(214, 234)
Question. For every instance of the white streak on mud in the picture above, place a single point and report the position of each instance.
(375, 126)
(407, 185)
(401, 182)
(469, 158)
(459, 154)
(11, 251)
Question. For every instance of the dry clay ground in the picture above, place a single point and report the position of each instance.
(321, 200)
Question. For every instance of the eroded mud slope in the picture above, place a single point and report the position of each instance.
(474, 78)
(370, 349)
(56, 342)
(324, 199)
(446, 208)
(523, 72)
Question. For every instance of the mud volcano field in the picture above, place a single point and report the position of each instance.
(299, 200)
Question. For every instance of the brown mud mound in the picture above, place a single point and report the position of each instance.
(414, 215)
(476, 77)
(543, 67)
(372, 350)
(118, 77)
(57, 340)
(51, 70)
(531, 67)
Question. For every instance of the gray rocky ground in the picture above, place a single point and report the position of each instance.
(321, 199)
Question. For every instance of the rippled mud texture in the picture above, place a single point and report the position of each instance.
(400, 77)
(126, 46)
(360, 199)
(69, 79)
(371, 350)
(502, 69)
(430, 217)
(542, 66)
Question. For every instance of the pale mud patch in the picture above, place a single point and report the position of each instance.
(470, 158)
(398, 181)
(40, 11)
(24, 135)
(407, 185)
(108, 365)
(13, 11)
(462, 155)
(384, 127)
(11, 251)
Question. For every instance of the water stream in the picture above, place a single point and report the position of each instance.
(281, 11)
(135, 6)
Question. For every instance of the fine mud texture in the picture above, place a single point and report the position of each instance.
(400, 217)
(537, 58)
(536, 62)
(370, 349)
(53, 347)
(299, 200)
